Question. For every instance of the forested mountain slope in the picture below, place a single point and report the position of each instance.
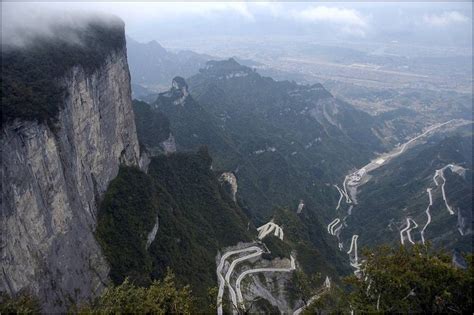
(285, 142)
(177, 216)
(399, 191)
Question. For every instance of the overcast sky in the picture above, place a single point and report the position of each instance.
(424, 22)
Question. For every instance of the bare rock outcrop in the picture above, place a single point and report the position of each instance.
(52, 181)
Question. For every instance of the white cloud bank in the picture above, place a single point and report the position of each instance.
(445, 18)
(348, 21)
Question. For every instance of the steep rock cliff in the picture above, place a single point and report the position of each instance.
(53, 178)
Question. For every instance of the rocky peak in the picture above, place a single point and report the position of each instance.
(156, 46)
(180, 84)
(179, 90)
(225, 69)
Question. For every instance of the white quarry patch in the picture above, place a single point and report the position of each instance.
(268, 149)
(230, 178)
(169, 145)
(311, 143)
(458, 169)
(239, 74)
(461, 223)
(354, 178)
(180, 101)
(235, 74)
(379, 161)
(300, 206)
(184, 91)
(151, 236)
(268, 228)
(327, 282)
(349, 211)
(329, 116)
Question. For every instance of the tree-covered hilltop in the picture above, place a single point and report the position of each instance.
(284, 141)
(31, 85)
(164, 296)
(403, 280)
(153, 126)
(193, 126)
(196, 218)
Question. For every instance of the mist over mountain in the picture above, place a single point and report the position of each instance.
(233, 157)
(152, 66)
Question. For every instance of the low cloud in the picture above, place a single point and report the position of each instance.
(445, 18)
(348, 21)
(23, 23)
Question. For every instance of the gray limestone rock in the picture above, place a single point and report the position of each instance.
(52, 182)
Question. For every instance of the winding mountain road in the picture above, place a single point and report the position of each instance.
(440, 173)
(359, 177)
(267, 228)
(258, 270)
(408, 230)
(415, 225)
(341, 193)
(231, 269)
(354, 262)
(430, 129)
(428, 216)
(222, 281)
(332, 225)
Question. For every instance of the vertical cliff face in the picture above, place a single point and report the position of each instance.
(52, 180)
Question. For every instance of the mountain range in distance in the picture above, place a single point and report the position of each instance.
(123, 160)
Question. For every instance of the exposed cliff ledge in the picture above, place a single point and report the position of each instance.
(52, 180)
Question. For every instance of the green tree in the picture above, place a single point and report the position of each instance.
(412, 279)
(21, 303)
(161, 297)
(333, 301)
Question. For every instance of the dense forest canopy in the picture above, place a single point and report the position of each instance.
(31, 86)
